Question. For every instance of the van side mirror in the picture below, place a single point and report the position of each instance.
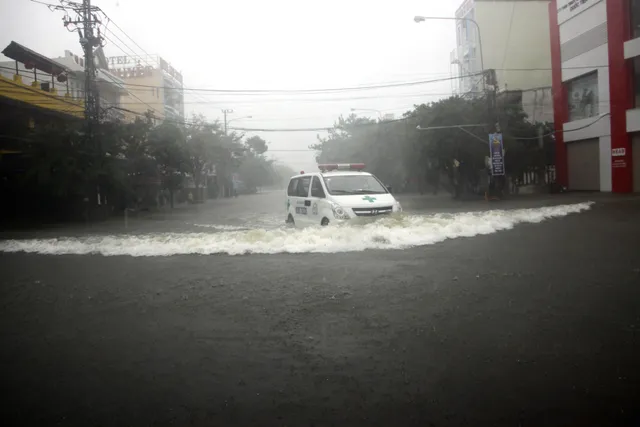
(389, 188)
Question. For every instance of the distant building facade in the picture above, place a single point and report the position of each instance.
(111, 88)
(153, 86)
(515, 43)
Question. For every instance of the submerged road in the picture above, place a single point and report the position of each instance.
(537, 325)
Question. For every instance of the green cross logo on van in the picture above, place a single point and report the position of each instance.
(369, 199)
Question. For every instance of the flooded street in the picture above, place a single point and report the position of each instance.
(255, 225)
(427, 317)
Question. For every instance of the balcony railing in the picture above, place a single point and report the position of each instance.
(35, 95)
(172, 112)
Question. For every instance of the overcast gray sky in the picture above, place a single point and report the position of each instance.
(276, 44)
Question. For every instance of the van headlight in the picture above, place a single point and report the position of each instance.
(338, 211)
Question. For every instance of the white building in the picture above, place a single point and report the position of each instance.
(111, 87)
(595, 48)
(513, 39)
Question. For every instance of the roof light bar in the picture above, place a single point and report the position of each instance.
(325, 167)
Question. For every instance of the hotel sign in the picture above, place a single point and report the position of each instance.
(124, 63)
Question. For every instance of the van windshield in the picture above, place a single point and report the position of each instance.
(353, 184)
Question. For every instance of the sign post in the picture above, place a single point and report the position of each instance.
(496, 154)
(495, 164)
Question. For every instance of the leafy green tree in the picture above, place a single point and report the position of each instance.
(204, 143)
(257, 145)
(255, 169)
(61, 163)
(398, 153)
(255, 172)
(281, 174)
(168, 148)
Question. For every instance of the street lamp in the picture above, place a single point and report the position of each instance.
(368, 109)
(419, 19)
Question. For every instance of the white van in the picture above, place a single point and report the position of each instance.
(337, 193)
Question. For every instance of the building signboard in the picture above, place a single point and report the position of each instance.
(123, 61)
(569, 8)
(125, 73)
(150, 63)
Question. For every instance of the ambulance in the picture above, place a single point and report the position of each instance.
(337, 193)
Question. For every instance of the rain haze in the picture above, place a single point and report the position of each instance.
(320, 213)
(272, 45)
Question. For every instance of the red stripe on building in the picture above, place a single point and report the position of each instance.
(560, 103)
(620, 93)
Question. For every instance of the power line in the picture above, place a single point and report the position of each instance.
(307, 91)
(372, 87)
(566, 131)
(506, 46)
(339, 89)
(130, 38)
(110, 78)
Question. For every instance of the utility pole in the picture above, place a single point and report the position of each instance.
(491, 86)
(86, 23)
(226, 111)
(91, 97)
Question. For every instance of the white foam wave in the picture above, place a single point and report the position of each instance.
(221, 227)
(386, 233)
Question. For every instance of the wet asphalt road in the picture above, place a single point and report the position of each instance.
(539, 325)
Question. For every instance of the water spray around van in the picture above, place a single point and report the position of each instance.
(389, 232)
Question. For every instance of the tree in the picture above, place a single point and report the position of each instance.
(205, 143)
(257, 145)
(168, 147)
(255, 170)
(399, 154)
(282, 174)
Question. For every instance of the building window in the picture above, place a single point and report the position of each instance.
(636, 81)
(635, 18)
(583, 96)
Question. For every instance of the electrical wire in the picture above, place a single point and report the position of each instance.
(461, 127)
(565, 131)
(339, 89)
(506, 46)
(129, 92)
(132, 40)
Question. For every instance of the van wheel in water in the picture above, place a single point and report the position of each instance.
(290, 221)
(324, 222)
